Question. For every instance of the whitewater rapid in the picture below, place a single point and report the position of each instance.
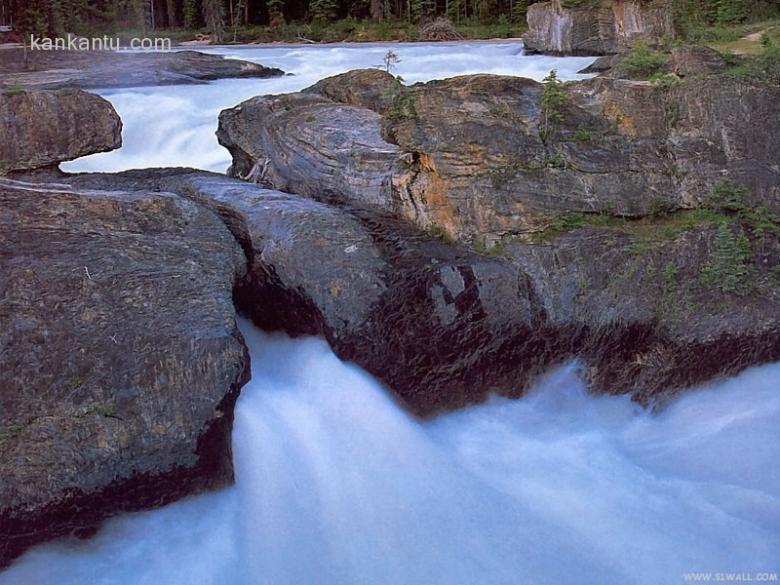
(336, 485)
(174, 125)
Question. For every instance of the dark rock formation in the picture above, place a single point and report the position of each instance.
(479, 158)
(43, 128)
(470, 158)
(696, 60)
(596, 27)
(120, 355)
(428, 318)
(442, 325)
(101, 69)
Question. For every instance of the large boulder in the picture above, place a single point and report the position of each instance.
(44, 128)
(434, 321)
(596, 27)
(597, 228)
(120, 356)
(479, 157)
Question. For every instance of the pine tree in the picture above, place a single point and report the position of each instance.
(730, 11)
(323, 10)
(422, 9)
(730, 259)
(519, 8)
(276, 12)
(454, 9)
(553, 103)
(173, 20)
(214, 15)
(138, 13)
(57, 18)
(377, 9)
(35, 18)
(190, 10)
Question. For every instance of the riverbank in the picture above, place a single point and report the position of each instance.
(345, 30)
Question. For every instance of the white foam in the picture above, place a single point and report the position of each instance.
(175, 125)
(338, 486)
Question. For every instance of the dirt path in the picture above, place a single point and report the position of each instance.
(748, 45)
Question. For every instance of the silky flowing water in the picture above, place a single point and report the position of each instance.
(337, 485)
(175, 125)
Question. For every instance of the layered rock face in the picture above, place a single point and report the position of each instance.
(442, 324)
(93, 69)
(432, 320)
(44, 128)
(477, 159)
(120, 355)
(596, 27)
(480, 157)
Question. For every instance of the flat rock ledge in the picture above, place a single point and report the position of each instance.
(105, 69)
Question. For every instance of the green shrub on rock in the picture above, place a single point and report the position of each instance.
(642, 62)
(554, 102)
(729, 268)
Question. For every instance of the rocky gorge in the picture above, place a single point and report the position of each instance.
(454, 238)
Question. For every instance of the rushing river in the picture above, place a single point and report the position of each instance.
(175, 125)
(336, 485)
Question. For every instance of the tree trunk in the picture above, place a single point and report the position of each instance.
(172, 20)
(215, 19)
(376, 10)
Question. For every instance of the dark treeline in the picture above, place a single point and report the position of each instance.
(88, 16)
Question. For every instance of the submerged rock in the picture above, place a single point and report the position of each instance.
(596, 27)
(102, 69)
(44, 128)
(120, 355)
